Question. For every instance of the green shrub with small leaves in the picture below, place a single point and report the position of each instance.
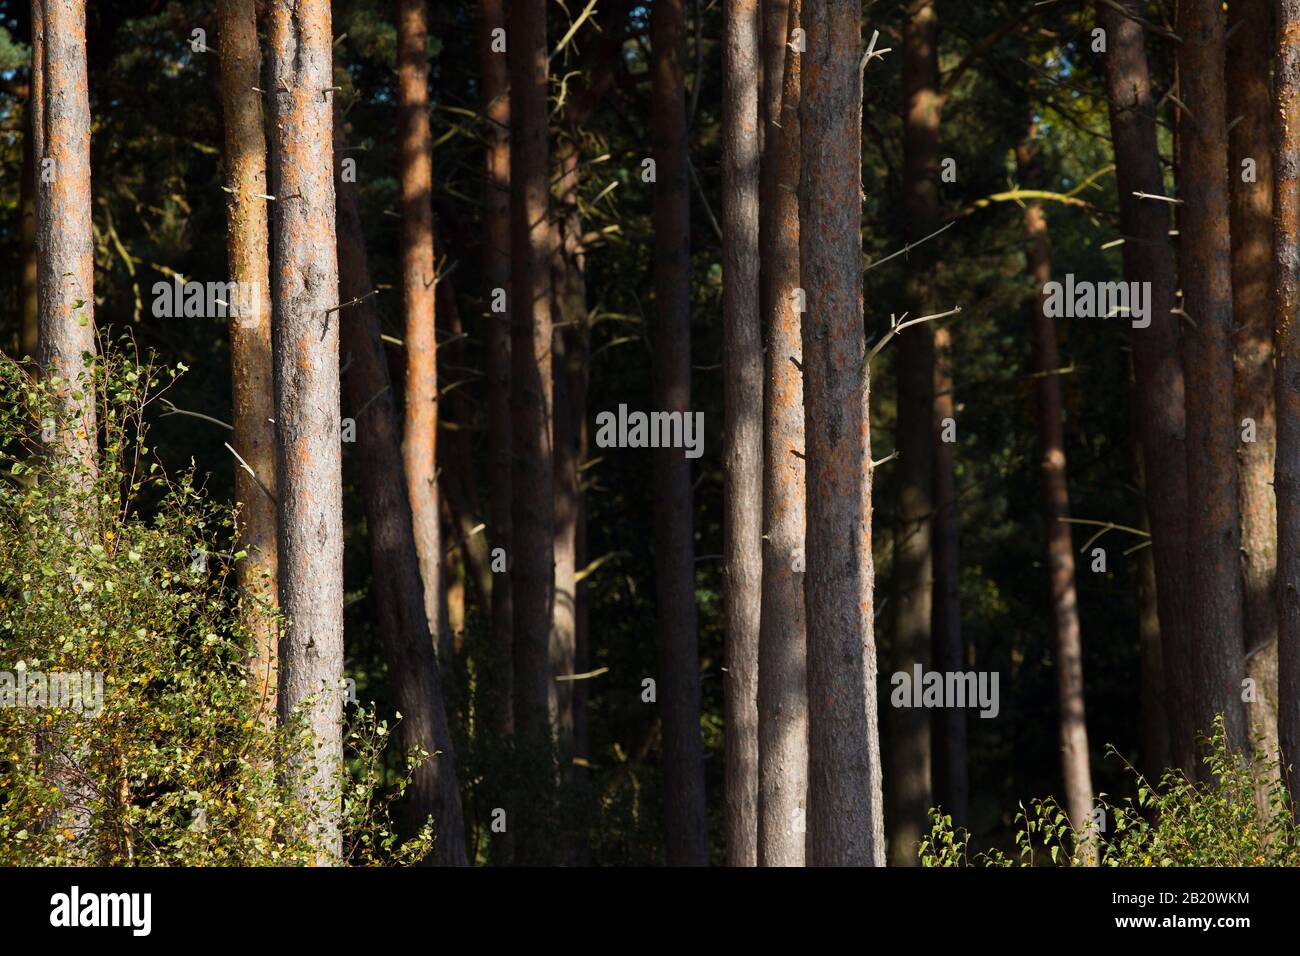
(1238, 815)
(123, 575)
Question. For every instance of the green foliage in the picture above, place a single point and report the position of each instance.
(123, 571)
(1216, 822)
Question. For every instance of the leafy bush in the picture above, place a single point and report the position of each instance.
(122, 571)
(1176, 822)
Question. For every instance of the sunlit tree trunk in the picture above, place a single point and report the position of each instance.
(742, 454)
(308, 448)
(845, 825)
(252, 377)
(782, 654)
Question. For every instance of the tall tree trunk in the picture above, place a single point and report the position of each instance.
(742, 455)
(845, 825)
(252, 378)
(674, 548)
(1251, 210)
(533, 500)
(567, 504)
(782, 652)
(1157, 362)
(29, 301)
(907, 755)
(396, 586)
(1205, 274)
(64, 238)
(60, 128)
(1286, 299)
(949, 757)
(496, 275)
(420, 441)
(1068, 646)
(306, 362)
(1152, 696)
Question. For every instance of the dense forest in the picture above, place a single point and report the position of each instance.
(634, 432)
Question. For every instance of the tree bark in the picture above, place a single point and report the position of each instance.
(950, 756)
(420, 440)
(1205, 274)
(1152, 696)
(1068, 645)
(252, 377)
(64, 237)
(1286, 299)
(1157, 362)
(496, 275)
(845, 825)
(1251, 218)
(533, 500)
(742, 455)
(29, 301)
(907, 779)
(309, 451)
(782, 653)
(685, 812)
(396, 586)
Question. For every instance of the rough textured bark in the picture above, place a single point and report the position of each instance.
(908, 792)
(949, 757)
(1251, 212)
(686, 818)
(252, 379)
(29, 301)
(1157, 361)
(782, 652)
(845, 825)
(496, 275)
(567, 503)
(1212, 435)
(1067, 643)
(533, 500)
(420, 438)
(742, 454)
(64, 239)
(308, 448)
(396, 587)
(1286, 299)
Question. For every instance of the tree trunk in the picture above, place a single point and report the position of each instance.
(907, 778)
(685, 812)
(252, 378)
(1251, 211)
(1157, 362)
(420, 441)
(782, 653)
(1152, 696)
(742, 455)
(396, 586)
(949, 757)
(845, 825)
(496, 275)
(64, 238)
(1068, 646)
(309, 452)
(1286, 299)
(64, 253)
(1205, 274)
(533, 500)
(29, 301)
